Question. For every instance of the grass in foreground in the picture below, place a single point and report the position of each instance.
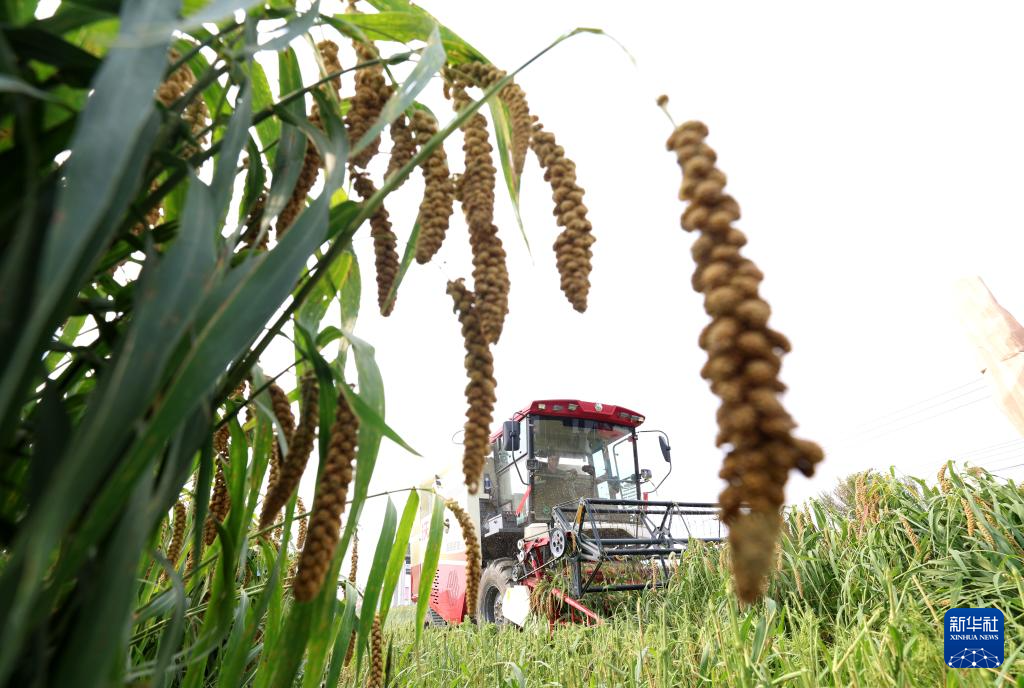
(857, 599)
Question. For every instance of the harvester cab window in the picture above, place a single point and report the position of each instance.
(574, 461)
(510, 472)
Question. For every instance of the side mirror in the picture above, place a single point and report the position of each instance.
(510, 436)
(645, 474)
(532, 464)
(666, 451)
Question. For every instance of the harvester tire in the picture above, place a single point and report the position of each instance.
(493, 582)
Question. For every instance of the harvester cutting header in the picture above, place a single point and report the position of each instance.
(562, 486)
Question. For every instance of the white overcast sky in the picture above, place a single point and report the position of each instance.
(876, 154)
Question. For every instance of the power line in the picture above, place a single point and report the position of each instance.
(994, 455)
(977, 385)
(1015, 457)
(997, 447)
(918, 421)
(908, 416)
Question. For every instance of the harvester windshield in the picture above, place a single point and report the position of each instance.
(577, 461)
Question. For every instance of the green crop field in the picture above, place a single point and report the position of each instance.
(857, 600)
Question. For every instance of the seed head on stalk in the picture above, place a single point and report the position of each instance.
(328, 505)
(178, 534)
(480, 392)
(353, 570)
(300, 508)
(476, 193)
(944, 483)
(403, 146)
(486, 75)
(307, 178)
(472, 554)
(220, 504)
(282, 411)
(251, 236)
(572, 247)
(196, 113)
(438, 191)
(911, 535)
(372, 92)
(385, 244)
(195, 116)
(376, 675)
(744, 357)
(294, 462)
(329, 55)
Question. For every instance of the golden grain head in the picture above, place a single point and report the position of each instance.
(742, 367)
(572, 246)
(385, 245)
(320, 545)
(437, 205)
(480, 392)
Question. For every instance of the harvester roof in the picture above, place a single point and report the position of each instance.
(574, 408)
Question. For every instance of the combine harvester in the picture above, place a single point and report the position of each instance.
(562, 487)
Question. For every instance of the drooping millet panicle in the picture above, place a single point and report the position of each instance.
(375, 678)
(272, 480)
(744, 357)
(178, 534)
(251, 236)
(485, 75)
(860, 502)
(328, 505)
(196, 113)
(438, 190)
(385, 244)
(944, 483)
(300, 510)
(294, 462)
(572, 247)
(353, 570)
(220, 504)
(220, 441)
(472, 554)
(480, 392)
(282, 411)
(969, 514)
(911, 535)
(986, 513)
(372, 92)
(307, 178)
(476, 193)
(403, 146)
(329, 56)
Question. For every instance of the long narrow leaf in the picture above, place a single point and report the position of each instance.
(375, 580)
(396, 562)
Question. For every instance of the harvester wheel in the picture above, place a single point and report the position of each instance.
(493, 582)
